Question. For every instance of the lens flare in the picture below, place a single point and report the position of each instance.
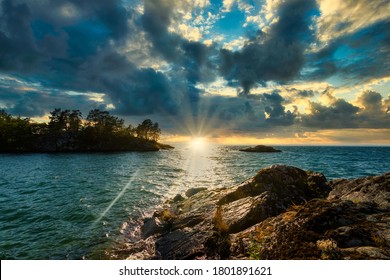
(120, 194)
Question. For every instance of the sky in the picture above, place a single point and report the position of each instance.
(235, 71)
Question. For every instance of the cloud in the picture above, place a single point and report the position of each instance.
(228, 5)
(340, 18)
(84, 48)
(35, 33)
(164, 58)
(188, 32)
(357, 57)
(243, 5)
(132, 90)
(276, 113)
(277, 55)
(17, 47)
(341, 114)
(235, 44)
(191, 59)
(375, 112)
(35, 103)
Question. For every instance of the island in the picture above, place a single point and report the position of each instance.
(68, 131)
(283, 212)
(260, 149)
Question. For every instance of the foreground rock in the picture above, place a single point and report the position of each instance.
(261, 149)
(281, 213)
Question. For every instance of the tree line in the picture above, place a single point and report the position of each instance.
(67, 130)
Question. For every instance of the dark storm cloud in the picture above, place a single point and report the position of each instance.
(276, 111)
(277, 55)
(362, 55)
(35, 34)
(78, 51)
(342, 114)
(36, 103)
(371, 100)
(375, 110)
(131, 90)
(264, 111)
(155, 21)
(195, 58)
(239, 114)
(298, 94)
(38, 39)
(53, 47)
(17, 45)
(74, 45)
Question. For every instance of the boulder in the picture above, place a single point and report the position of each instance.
(319, 229)
(368, 189)
(193, 191)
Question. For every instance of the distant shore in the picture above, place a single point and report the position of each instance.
(68, 131)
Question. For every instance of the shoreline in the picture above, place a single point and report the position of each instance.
(154, 148)
(263, 216)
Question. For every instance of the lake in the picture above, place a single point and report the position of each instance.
(75, 206)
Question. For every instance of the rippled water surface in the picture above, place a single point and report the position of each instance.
(72, 206)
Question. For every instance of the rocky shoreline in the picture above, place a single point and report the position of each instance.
(283, 212)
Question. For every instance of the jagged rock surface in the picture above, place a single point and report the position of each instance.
(281, 213)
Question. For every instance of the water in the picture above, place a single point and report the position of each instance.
(73, 206)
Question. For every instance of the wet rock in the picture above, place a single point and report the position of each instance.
(369, 189)
(178, 198)
(193, 191)
(269, 193)
(151, 225)
(283, 212)
(260, 149)
(165, 146)
(319, 229)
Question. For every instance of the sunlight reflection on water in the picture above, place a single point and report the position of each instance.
(74, 205)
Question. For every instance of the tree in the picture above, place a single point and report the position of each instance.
(130, 130)
(143, 130)
(156, 132)
(104, 122)
(15, 133)
(58, 120)
(148, 130)
(74, 121)
(4, 116)
(67, 132)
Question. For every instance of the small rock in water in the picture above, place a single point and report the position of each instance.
(260, 149)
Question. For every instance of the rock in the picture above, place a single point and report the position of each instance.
(178, 198)
(260, 149)
(193, 191)
(369, 189)
(283, 212)
(320, 229)
(165, 146)
(152, 225)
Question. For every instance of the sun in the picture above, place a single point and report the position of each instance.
(198, 143)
